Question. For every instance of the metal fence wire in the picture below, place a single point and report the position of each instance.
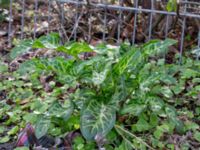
(113, 21)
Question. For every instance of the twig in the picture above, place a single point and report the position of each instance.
(134, 136)
(76, 25)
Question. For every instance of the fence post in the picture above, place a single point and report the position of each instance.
(183, 34)
(49, 15)
(135, 22)
(35, 19)
(10, 24)
(104, 24)
(22, 19)
(151, 20)
(119, 22)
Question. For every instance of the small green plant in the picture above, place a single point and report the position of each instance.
(103, 86)
(172, 5)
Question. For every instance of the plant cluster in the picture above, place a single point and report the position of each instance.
(119, 98)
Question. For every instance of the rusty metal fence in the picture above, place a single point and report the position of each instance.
(112, 15)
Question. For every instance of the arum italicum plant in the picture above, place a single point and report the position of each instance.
(116, 81)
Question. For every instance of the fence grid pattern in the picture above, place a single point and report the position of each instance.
(190, 10)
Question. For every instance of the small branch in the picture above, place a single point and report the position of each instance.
(134, 136)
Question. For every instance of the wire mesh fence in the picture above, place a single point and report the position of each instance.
(112, 21)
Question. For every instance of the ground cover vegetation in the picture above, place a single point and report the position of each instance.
(77, 96)
(112, 97)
